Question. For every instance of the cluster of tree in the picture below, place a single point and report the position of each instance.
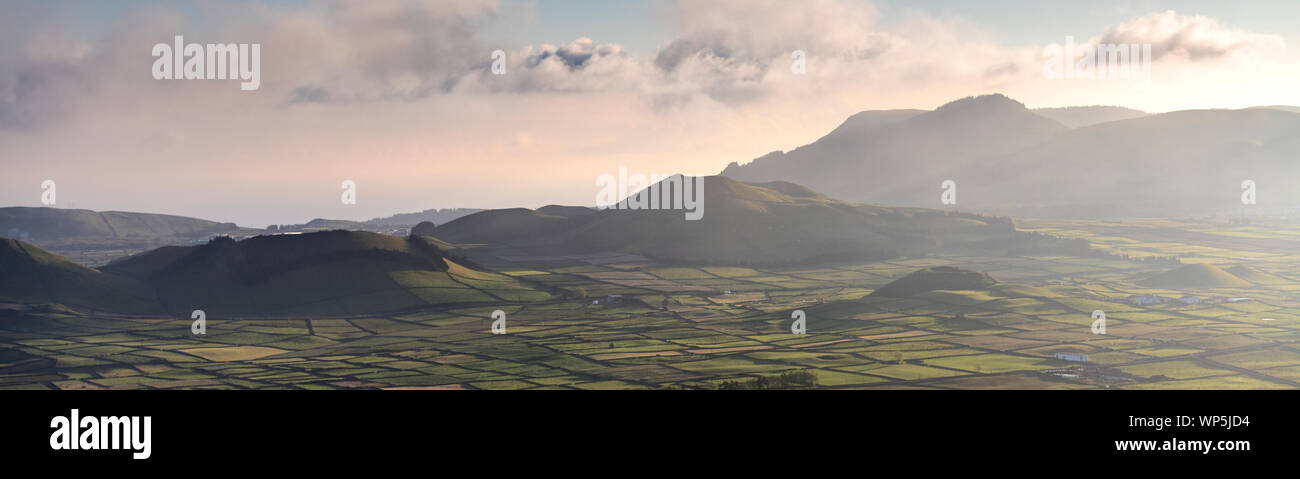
(790, 380)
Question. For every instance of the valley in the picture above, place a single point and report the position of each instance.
(618, 320)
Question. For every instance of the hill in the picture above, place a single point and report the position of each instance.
(565, 211)
(772, 223)
(1081, 116)
(31, 275)
(46, 224)
(1253, 275)
(1082, 162)
(436, 216)
(1194, 276)
(900, 158)
(504, 225)
(331, 273)
(1166, 165)
(1292, 109)
(324, 273)
(94, 238)
(942, 278)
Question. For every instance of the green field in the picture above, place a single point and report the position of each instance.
(678, 327)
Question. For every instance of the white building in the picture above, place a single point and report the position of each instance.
(1078, 358)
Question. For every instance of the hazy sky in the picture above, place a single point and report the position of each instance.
(399, 96)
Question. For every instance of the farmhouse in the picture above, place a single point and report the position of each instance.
(1147, 299)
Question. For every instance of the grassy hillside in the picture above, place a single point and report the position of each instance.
(31, 275)
(317, 274)
(743, 223)
(56, 224)
(1194, 276)
(944, 278)
(95, 238)
(326, 273)
(494, 226)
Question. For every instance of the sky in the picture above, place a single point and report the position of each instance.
(400, 96)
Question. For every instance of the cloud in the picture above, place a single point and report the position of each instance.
(729, 48)
(39, 61)
(368, 51)
(399, 96)
(579, 66)
(1195, 37)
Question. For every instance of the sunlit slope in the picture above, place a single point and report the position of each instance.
(1194, 276)
(936, 279)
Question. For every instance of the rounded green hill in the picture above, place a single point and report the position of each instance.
(935, 279)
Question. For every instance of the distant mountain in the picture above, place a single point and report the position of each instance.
(745, 223)
(1292, 109)
(437, 216)
(321, 224)
(902, 157)
(1081, 116)
(91, 237)
(1167, 165)
(60, 225)
(1008, 160)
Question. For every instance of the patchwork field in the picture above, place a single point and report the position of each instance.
(621, 321)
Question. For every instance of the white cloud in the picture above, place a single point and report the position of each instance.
(1190, 37)
(399, 96)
